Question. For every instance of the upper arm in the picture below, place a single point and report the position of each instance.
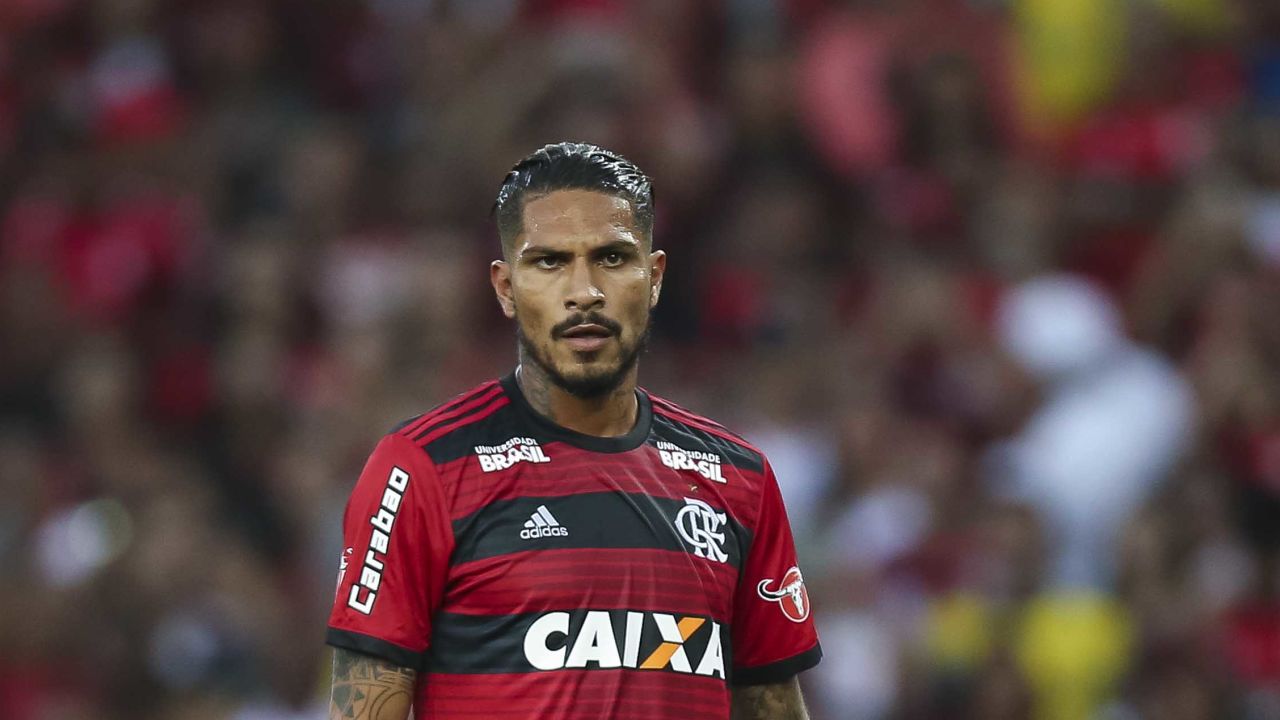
(366, 688)
(773, 632)
(779, 701)
(397, 538)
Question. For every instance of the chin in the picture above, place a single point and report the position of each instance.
(584, 375)
(592, 383)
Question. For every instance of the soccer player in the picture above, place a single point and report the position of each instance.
(560, 543)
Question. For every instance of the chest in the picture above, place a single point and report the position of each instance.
(551, 530)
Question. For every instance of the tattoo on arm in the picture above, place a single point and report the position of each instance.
(781, 701)
(366, 688)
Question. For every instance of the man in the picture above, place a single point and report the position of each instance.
(560, 543)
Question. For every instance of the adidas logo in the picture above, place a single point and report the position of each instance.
(542, 524)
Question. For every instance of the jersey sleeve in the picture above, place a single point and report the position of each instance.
(773, 633)
(397, 540)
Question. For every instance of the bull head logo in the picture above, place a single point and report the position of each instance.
(790, 595)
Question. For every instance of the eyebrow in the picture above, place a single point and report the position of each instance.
(616, 245)
(611, 246)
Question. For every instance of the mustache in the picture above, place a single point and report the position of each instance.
(592, 318)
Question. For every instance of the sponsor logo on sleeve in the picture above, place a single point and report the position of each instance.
(516, 450)
(790, 594)
(365, 591)
(342, 567)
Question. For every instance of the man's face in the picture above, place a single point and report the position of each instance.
(580, 282)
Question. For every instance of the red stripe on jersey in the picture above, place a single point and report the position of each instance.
(639, 579)
(681, 410)
(440, 431)
(675, 412)
(443, 411)
(440, 418)
(451, 404)
(573, 471)
(572, 695)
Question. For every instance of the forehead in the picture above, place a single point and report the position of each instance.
(571, 214)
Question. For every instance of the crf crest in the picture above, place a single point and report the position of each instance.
(790, 594)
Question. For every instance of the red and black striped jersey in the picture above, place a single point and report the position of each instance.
(530, 571)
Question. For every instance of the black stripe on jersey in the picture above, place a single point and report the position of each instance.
(776, 672)
(375, 647)
(495, 429)
(446, 406)
(693, 418)
(690, 437)
(562, 640)
(404, 424)
(436, 423)
(599, 520)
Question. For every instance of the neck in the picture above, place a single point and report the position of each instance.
(609, 415)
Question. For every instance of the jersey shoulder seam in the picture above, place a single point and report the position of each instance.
(452, 415)
(684, 416)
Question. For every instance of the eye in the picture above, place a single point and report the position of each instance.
(613, 259)
(547, 262)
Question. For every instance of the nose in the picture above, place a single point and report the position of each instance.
(582, 293)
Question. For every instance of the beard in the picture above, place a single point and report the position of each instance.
(594, 383)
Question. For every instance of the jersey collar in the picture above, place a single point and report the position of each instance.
(622, 443)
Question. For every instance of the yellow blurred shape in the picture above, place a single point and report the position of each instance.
(1073, 650)
(1069, 56)
(959, 630)
(1201, 17)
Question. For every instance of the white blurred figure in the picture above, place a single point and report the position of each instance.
(1113, 423)
(804, 461)
(858, 679)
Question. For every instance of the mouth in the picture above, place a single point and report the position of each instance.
(587, 337)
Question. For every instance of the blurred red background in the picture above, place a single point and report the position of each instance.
(996, 284)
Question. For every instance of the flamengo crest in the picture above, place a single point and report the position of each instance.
(702, 527)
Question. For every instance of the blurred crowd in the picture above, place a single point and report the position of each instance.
(995, 283)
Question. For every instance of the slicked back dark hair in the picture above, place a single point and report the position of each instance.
(571, 166)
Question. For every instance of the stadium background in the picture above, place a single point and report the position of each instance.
(996, 283)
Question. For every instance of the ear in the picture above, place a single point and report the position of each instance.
(500, 278)
(657, 269)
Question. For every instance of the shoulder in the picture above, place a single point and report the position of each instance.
(447, 431)
(457, 407)
(671, 420)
